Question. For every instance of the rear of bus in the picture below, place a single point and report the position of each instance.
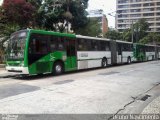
(16, 53)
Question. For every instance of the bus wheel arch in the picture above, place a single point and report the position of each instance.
(58, 67)
(104, 62)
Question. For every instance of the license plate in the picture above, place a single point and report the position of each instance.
(12, 68)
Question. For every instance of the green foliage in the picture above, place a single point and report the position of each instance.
(50, 13)
(151, 38)
(91, 29)
(139, 30)
(127, 35)
(113, 35)
(77, 8)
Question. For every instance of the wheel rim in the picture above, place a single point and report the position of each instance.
(104, 63)
(129, 61)
(58, 69)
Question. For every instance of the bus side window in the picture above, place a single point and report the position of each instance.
(94, 45)
(108, 46)
(82, 45)
(60, 44)
(104, 46)
(43, 45)
(38, 44)
(119, 48)
(53, 44)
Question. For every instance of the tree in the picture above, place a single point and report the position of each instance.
(53, 12)
(140, 29)
(113, 34)
(14, 14)
(18, 12)
(91, 29)
(127, 35)
(151, 38)
(78, 10)
(37, 18)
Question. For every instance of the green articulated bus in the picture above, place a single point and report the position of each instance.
(38, 51)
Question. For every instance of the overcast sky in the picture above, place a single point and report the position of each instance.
(1, 2)
(108, 6)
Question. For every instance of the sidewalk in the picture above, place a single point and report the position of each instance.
(153, 107)
(4, 73)
(2, 66)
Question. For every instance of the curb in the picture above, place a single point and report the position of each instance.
(2, 65)
(153, 107)
(7, 75)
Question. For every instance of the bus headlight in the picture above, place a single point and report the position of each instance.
(64, 58)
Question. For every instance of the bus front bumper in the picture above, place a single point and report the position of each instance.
(23, 70)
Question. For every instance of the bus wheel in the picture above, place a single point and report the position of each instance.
(104, 62)
(129, 60)
(58, 68)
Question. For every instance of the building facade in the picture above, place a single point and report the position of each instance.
(130, 11)
(98, 14)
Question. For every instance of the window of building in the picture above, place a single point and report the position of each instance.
(136, 5)
(123, 1)
(123, 6)
(148, 4)
(136, 10)
(135, 1)
(148, 14)
(135, 15)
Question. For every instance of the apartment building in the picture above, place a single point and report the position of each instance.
(130, 11)
(98, 14)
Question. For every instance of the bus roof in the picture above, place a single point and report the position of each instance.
(48, 32)
(146, 44)
(52, 33)
(93, 38)
(123, 41)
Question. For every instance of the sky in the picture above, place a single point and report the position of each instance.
(108, 6)
(1, 2)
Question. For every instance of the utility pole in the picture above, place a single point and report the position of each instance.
(132, 32)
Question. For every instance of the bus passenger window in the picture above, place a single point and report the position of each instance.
(82, 45)
(38, 44)
(53, 45)
(94, 45)
(60, 43)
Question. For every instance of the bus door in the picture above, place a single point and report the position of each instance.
(119, 54)
(37, 56)
(71, 55)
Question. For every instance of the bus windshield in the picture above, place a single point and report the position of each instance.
(16, 45)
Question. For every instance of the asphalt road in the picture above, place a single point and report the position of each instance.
(118, 89)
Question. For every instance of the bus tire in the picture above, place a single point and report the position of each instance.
(129, 60)
(104, 62)
(58, 68)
